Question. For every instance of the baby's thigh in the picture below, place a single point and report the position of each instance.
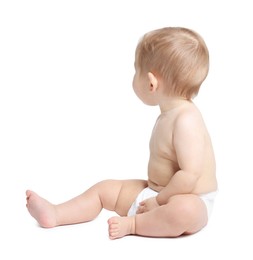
(127, 195)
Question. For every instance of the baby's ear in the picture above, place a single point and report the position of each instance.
(153, 82)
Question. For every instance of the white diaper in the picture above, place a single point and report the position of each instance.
(207, 198)
(143, 195)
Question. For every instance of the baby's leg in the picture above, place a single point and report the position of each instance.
(184, 214)
(85, 207)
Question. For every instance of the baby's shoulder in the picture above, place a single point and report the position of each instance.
(188, 117)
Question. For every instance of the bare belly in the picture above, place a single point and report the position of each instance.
(158, 179)
(160, 172)
(201, 187)
(154, 186)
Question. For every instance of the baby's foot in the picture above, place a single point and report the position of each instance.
(121, 226)
(42, 210)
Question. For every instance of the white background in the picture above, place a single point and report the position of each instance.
(69, 118)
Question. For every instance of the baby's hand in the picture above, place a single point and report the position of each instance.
(147, 205)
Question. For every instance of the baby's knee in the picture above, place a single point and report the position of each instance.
(188, 209)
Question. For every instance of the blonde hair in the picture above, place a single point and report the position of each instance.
(176, 55)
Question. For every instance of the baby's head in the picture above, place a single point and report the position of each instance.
(177, 56)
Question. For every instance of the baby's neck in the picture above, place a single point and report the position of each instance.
(172, 102)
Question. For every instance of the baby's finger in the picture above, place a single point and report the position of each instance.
(139, 210)
(142, 203)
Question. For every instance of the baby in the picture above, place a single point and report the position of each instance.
(177, 197)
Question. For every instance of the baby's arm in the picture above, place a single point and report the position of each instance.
(181, 183)
(189, 145)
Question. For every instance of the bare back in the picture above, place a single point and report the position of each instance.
(163, 162)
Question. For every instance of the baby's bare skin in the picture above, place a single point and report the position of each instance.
(181, 164)
(164, 161)
(121, 226)
(85, 207)
(46, 213)
(42, 210)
